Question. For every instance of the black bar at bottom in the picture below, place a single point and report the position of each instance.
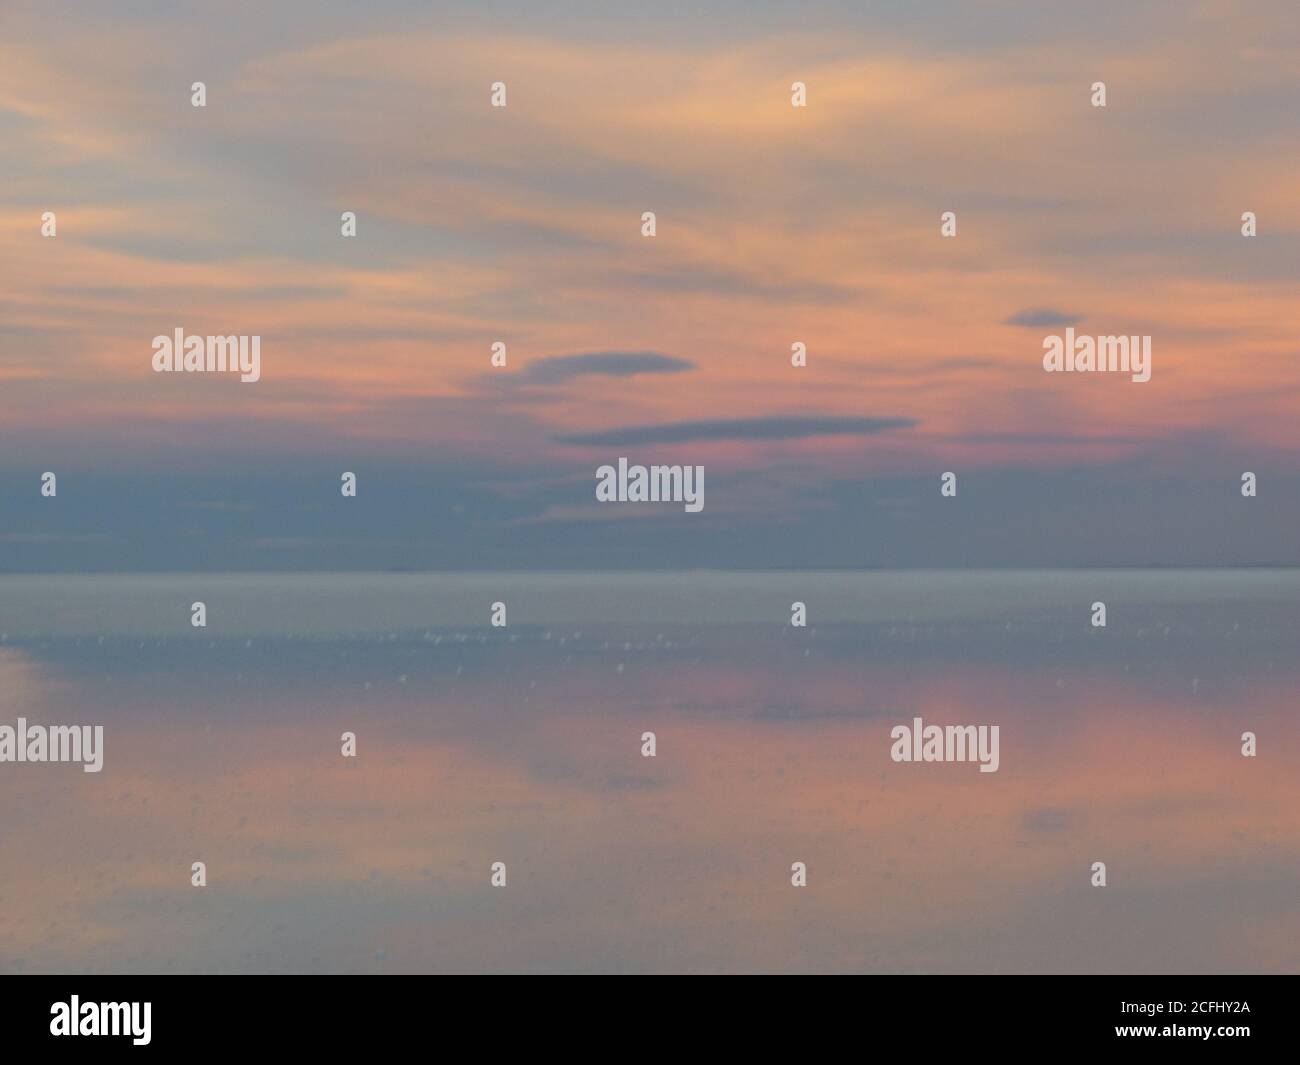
(1235, 1016)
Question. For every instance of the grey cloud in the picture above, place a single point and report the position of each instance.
(769, 428)
(1047, 819)
(1039, 317)
(725, 283)
(559, 368)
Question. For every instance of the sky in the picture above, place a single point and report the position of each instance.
(522, 224)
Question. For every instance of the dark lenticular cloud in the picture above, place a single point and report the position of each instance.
(1043, 317)
(608, 363)
(772, 428)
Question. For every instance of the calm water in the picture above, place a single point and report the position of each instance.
(522, 745)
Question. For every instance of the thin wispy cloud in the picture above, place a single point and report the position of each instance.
(1043, 317)
(559, 368)
(771, 428)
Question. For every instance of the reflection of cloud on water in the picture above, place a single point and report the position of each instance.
(621, 862)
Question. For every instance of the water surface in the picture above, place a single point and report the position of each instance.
(522, 745)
